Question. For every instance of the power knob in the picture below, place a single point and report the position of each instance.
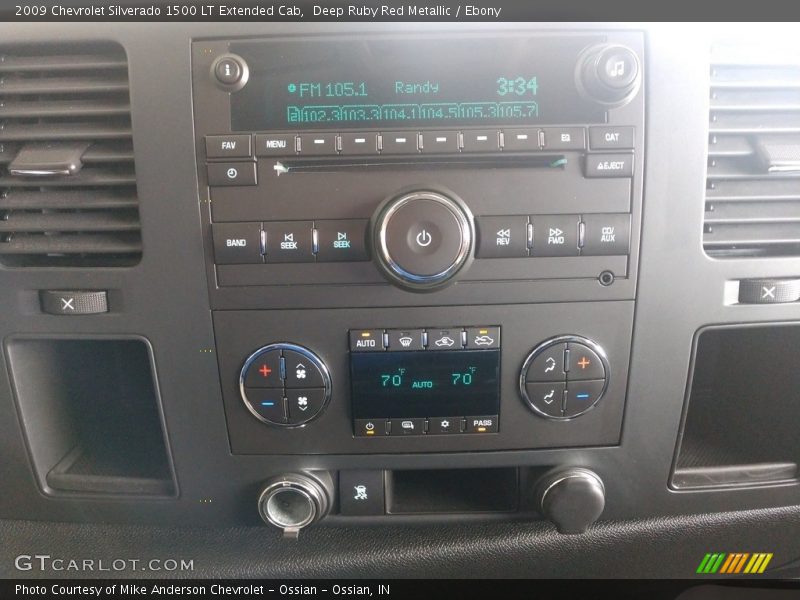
(571, 498)
(422, 239)
(608, 74)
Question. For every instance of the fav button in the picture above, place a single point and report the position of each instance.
(228, 146)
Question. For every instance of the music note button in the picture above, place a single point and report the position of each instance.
(618, 67)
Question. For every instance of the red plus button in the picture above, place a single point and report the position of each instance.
(584, 363)
(265, 370)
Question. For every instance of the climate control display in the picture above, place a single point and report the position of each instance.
(425, 381)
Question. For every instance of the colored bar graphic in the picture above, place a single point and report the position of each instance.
(734, 563)
(729, 562)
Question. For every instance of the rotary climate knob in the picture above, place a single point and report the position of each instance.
(422, 239)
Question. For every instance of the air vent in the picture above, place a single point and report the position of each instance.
(753, 184)
(67, 179)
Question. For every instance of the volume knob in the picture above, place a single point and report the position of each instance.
(608, 74)
(422, 239)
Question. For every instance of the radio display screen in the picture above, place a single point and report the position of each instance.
(425, 383)
(378, 83)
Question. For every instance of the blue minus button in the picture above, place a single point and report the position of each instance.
(582, 396)
(267, 404)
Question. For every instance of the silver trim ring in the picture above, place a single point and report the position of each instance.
(313, 358)
(562, 339)
(306, 487)
(463, 217)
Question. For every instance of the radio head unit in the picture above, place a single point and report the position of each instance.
(501, 175)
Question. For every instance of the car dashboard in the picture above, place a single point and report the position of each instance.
(383, 299)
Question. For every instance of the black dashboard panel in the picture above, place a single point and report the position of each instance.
(215, 287)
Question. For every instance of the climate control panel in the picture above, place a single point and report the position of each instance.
(285, 384)
(564, 377)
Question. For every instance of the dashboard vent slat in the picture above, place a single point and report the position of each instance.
(18, 199)
(53, 100)
(78, 221)
(64, 108)
(9, 63)
(87, 130)
(753, 171)
(18, 86)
